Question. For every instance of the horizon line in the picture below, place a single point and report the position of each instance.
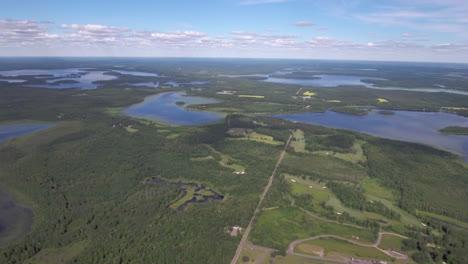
(239, 58)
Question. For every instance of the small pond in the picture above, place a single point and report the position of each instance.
(192, 193)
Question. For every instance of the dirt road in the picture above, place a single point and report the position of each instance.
(375, 245)
(257, 209)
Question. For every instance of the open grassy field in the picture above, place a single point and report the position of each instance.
(391, 242)
(277, 228)
(251, 96)
(257, 137)
(336, 248)
(298, 143)
(227, 161)
(253, 256)
(373, 187)
(355, 155)
(325, 167)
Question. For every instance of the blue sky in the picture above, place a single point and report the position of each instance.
(417, 30)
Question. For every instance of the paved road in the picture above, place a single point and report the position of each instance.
(257, 209)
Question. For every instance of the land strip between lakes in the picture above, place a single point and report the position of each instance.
(257, 209)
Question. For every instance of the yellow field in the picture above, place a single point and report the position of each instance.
(454, 108)
(309, 93)
(333, 101)
(251, 96)
(382, 100)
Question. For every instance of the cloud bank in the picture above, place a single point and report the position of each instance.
(28, 37)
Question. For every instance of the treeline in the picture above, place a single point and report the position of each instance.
(438, 243)
(425, 178)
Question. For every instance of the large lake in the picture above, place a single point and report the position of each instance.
(15, 219)
(71, 78)
(328, 80)
(419, 127)
(163, 107)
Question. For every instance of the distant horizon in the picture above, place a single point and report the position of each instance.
(238, 58)
(397, 30)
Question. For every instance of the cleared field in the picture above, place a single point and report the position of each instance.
(372, 187)
(257, 137)
(406, 218)
(325, 167)
(339, 248)
(131, 129)
(172, 136)
(356, 155)
(391, 242)
(252, 254)
(320, 194)
(251, 96)
(300, 186)
(277, 228)
(298, 142)
(227, 161)
(202, 158)
(340, 208)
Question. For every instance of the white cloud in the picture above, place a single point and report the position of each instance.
(23, 32)
(24, 37)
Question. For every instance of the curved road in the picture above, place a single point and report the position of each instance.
(392, 254)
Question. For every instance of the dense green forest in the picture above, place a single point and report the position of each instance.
(86, 180)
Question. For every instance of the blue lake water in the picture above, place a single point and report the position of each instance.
(138, 73)
(12, 80)
(85, 81)
(418, 127)
(178, 84)
(326, 80)
(19, 218)
(51, 72)
(148, 84)
(16, 130)
(83, 78)
(163, 107)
